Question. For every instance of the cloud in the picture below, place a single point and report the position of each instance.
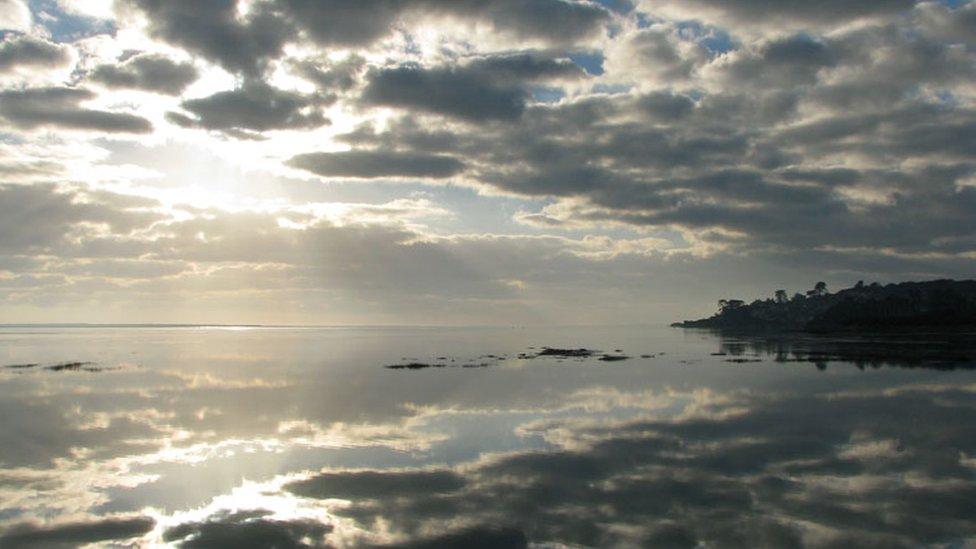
(953, 24)
(367, 164)
(377, 485)
(334, 253)
(555, 21)
(666, 106)
(214, 31)
(246, 44)
(16, 170)
(363, 22)
(60, 107)
(247, 247)
(72, 534)
(482, 89)
(792, 61)
(797, 9)
(148, 72)
(657, 55)
(787, 14)
(330, 76)
(247, 529)
(344, 22)
(14, 15)
(253, 108)
(477, 537)
(36, 217)
(519, 67)
(28, 51)
(445, 91)
(715, 152)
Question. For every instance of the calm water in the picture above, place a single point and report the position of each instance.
(295, 437)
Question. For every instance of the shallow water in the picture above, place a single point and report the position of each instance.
(214, 437)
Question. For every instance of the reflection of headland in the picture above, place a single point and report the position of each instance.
(947, 350)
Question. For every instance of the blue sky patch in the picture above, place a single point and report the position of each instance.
(592, 62)
(67, 27)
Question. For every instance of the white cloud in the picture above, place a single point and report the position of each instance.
(102, 9)
(15, 15)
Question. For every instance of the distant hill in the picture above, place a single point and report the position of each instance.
(937, 303)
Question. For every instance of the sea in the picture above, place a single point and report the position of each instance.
(617, 436)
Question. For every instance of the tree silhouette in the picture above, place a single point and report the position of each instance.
(937, 303)
(725, 305)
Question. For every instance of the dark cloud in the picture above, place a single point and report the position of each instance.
(344, 22)
(246, 44)
(791, 61)
(60, 107)
(522, 66)
(213, 30)
(147, 72)
(28, 51)
(481, 89)
(254, 107)
(73, 534)
(248, 529)
(779, 215)
(924, 131)
(666, 106)
(745, 111)
(376, 485)
(450, 92)
(330, 76)
(555, 21)
(484, 537)
(875, 68)
(369, 164)
(955, 25)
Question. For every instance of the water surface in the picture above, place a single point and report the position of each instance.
(214, 437)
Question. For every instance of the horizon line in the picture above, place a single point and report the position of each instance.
(221, 325)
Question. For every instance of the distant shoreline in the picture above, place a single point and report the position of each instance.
(932, 305)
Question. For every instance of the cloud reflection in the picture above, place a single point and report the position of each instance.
(228, 439)
(793, 470)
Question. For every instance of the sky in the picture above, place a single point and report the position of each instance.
(505, 162)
